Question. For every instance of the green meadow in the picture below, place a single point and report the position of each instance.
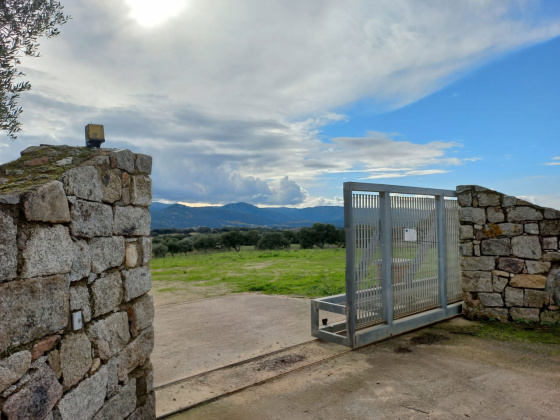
(295, 272)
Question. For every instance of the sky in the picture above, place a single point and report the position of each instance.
(279, 102)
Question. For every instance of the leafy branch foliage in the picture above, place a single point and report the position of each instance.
(22, 22)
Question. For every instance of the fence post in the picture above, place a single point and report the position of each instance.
(386, 225)
(442, 251)
(314, 318)
(350, 265)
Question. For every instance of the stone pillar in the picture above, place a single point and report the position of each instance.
(74, 239)
(510, 259)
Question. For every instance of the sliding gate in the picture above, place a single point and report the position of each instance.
(402, 263)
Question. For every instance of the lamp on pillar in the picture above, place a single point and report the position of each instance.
(94, 135)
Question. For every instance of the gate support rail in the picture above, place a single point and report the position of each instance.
(357, 299)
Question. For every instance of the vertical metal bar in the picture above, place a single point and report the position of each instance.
(452, 239)
(350, 265)
(411, 214)
(367, 286)
(386, 257)
(314, 318)
(441, 251)
(426, 269)
(422, 291)
(359, 224)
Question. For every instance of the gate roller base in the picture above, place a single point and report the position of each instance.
(335, 332)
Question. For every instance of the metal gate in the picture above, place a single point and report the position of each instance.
(402, 263)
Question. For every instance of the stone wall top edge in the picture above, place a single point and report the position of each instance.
(39, 165)
(519, 201)
(474, 187)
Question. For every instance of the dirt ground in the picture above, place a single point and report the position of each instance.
(430, 373)
(174, 292)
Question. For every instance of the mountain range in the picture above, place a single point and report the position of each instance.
(242, 215)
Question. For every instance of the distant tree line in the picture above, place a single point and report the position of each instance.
(176, 241)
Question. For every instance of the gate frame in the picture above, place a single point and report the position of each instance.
(345, 304)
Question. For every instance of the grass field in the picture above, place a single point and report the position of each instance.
(296, 272)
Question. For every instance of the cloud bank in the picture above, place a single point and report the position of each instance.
(230, 97)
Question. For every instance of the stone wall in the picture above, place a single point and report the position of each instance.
(74, 227)
(510, 259)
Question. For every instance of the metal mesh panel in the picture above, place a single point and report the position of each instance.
(454, 290)
(368, 259)
(414, 248)
(415, 270)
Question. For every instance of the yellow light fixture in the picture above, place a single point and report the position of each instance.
(94, 135)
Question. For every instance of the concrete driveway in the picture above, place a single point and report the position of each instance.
(441, 374)
(199, 336)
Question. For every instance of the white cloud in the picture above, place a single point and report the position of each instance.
(286, 58)
(551, 200)
(230, 98)
(402, 174)
(557, 158)
(322, 201)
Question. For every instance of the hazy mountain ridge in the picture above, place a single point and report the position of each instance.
(242, 215)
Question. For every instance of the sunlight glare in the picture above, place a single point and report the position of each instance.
(149, 13)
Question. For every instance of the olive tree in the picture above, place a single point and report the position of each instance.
(186, 245)
(273, 240)
(233, 239)
(173, 246)
(307, 238)
(205, 242)
(319, 234)
(324, 234)
(22, 22)
(159, 250)
(252, 238)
